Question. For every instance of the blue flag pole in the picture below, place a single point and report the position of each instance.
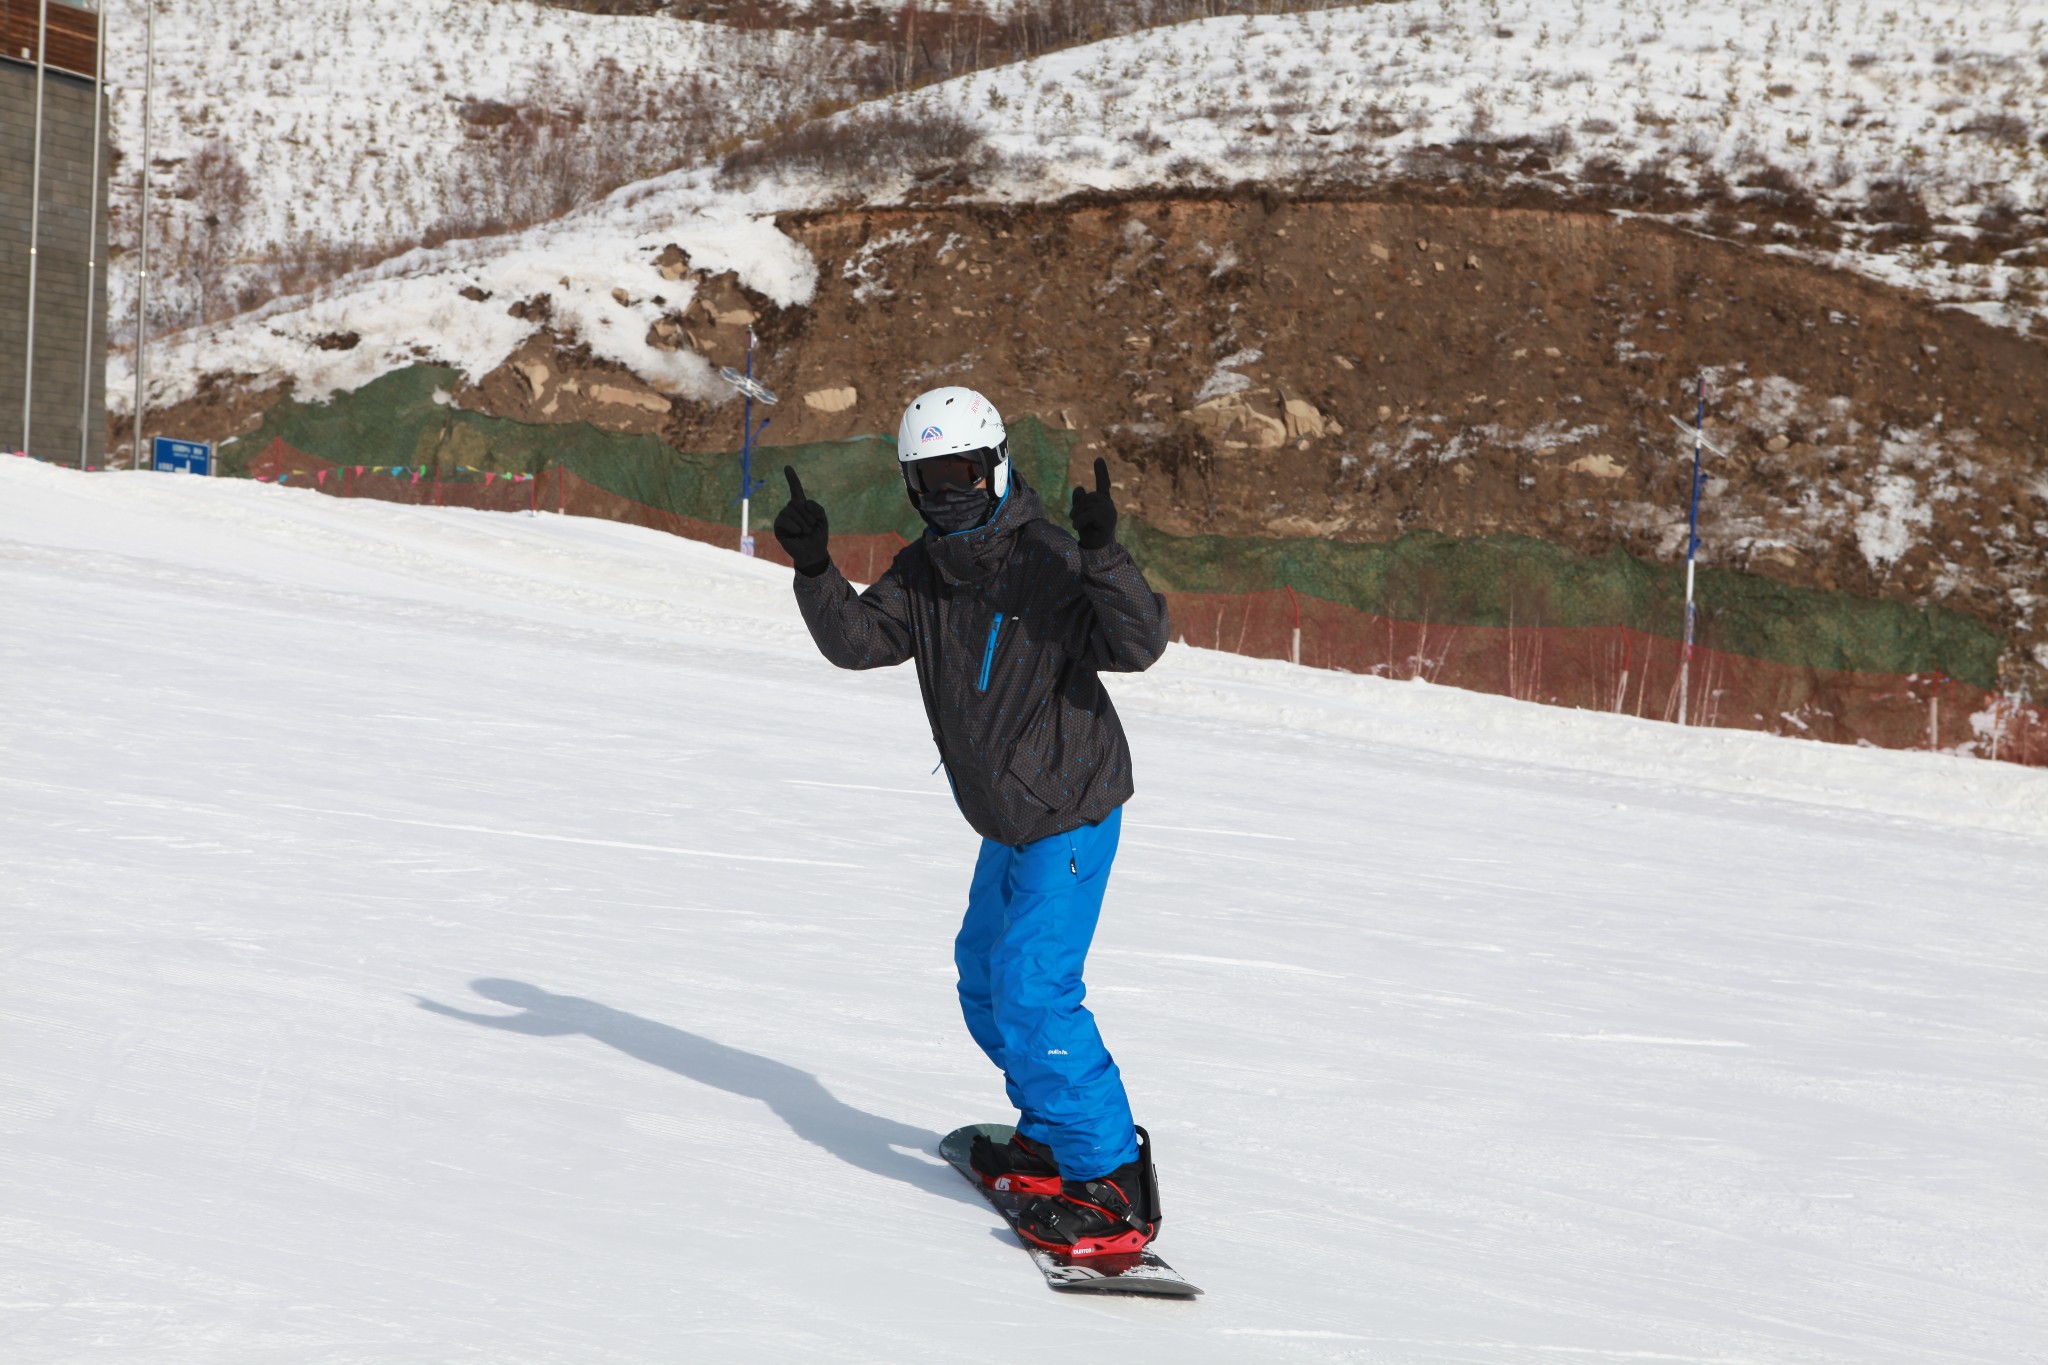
(1692, 545)
(753, 391)
(747, 457)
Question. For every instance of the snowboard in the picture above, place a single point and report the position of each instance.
(1138, 1273)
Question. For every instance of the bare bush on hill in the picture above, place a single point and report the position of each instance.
(218, 186)
(564, 144)
(866, 146)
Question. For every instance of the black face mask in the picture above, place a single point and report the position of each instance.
(952, 510)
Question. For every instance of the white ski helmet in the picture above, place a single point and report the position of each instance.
(954, 421)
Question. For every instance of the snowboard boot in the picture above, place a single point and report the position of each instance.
(1019, 1166)
(1112, 1215)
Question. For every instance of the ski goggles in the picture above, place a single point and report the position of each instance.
(938, 473)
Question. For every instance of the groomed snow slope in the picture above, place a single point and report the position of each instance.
(435, 936)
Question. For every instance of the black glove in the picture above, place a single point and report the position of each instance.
(803, 530)
(1094, 514)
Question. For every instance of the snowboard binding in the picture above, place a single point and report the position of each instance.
(1019, 1166)
(1112, 1215)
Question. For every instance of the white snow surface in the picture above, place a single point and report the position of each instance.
(439, 936)
(1842, 96)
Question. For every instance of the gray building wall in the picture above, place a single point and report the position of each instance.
(62, 304)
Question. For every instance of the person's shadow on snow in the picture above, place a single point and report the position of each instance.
(798, 1098)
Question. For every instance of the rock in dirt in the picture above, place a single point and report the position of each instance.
(534, 373)
(831, 400)
(614, 395)
(1231, 415)
(1304, 419)
(673, 262)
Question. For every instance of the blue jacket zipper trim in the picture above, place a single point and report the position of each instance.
(988, 655)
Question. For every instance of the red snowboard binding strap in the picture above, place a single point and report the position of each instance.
(1127, 1243)
(1019, 1167)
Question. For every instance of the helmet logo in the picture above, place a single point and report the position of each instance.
(930, 434)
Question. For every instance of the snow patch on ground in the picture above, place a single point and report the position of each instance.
(864, 268)
(1228, 377)
(1889, 526)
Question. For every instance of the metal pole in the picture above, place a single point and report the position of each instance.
(142, 222)
(35, 226)
(92, 240)
(747, 458)
(1692, 545)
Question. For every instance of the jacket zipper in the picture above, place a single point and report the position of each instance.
(988, 655)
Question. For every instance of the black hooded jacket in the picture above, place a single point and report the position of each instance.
(1009, 623)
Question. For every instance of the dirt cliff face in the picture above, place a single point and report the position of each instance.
(1356, 370)
(1254, 366)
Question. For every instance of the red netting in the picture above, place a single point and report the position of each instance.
(1592, 668)
(1616, 669)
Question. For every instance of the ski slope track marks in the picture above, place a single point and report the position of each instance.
(438, 936)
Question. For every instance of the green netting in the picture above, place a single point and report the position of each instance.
(396, 420)
(1515, 581)
(1487, 581)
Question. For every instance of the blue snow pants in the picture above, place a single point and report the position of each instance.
(1030, 917)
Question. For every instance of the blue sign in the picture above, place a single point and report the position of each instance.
(184, 457)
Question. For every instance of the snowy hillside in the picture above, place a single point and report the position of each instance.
(1843, 100)
(441, 936)
(356, 120)
(413, 308)
(1906, 134)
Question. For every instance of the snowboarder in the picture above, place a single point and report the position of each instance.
(1010, 621)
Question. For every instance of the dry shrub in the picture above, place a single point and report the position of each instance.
(2005, 129)
(2001, 228)
(1899, 210)
(1780, 188)
(1603, 170)
(867, 147)
(2001, 216)
(571, 139)
(217, 186)
(1150, 141)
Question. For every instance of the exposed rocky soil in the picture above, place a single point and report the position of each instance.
(1252, 366)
